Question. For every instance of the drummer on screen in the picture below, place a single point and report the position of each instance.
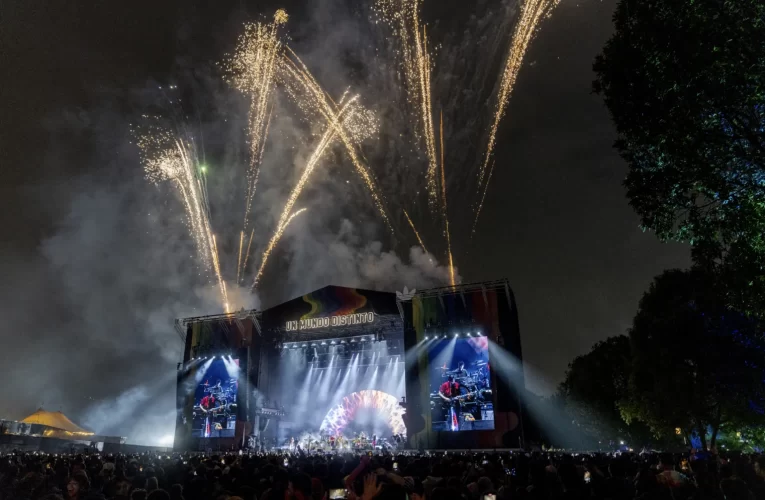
(461, 372)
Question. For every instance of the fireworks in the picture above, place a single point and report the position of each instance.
(346, 116)
(416, 232)
(444, 207)
(247, 253)
(346, 130)
(251, 70)
(239, 260)
(271, 244)
(531, 14)
(167, 157)
(261, 66)
(404, 17)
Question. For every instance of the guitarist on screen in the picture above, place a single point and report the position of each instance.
(448, 391)
(207, 403)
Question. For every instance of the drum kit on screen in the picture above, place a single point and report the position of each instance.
(223, 397)
(475, 392)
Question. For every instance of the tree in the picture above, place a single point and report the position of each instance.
(594, 385)
(696, 364)
(684, 82)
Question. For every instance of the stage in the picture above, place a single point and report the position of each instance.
(348, 369)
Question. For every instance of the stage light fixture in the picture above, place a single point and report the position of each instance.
(323, 343)
(332, 342)
(426, 337)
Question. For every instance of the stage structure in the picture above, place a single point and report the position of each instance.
(339, 362)
(456, 399)
(330, 362)
(215, 378)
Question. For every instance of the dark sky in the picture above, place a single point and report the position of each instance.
(76, 247)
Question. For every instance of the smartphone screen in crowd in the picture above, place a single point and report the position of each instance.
(336, 494)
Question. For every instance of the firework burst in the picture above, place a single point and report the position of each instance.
(170, 158)
(404, 18)
(261, 66)
(251, 70)
(350, 131)
(533, 11)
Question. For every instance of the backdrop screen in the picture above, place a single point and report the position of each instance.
(215, 399)
(460, 384)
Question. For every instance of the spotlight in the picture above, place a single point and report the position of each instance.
(353, 340)
(324, 343)
(342, 341)
(426, 337)
(332, 342)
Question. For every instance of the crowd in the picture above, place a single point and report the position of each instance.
(413, 476)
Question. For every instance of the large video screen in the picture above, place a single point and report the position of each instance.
(215, 399)
(460, 384)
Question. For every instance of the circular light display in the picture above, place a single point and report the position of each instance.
(382, 403)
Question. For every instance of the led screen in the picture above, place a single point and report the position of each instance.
(460, 384)
(215, 399)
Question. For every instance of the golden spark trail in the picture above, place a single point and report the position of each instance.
(253, 68)
(285, 216)
(239, 259)
(350, 131)
(247, 254)
(277, 236)
(443, 201)
(168, 158)
(221, 283)
(531, 14)
(404, 17)
(417, 234)
(427, 115)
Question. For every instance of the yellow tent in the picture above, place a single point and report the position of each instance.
(58, 422)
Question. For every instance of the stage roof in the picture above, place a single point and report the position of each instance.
(56, 420)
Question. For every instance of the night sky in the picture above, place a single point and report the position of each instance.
(84, 238)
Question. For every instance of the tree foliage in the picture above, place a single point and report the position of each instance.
(594, 385)
(696, 365)
(685, 84)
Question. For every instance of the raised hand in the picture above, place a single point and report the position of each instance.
(371, 488)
